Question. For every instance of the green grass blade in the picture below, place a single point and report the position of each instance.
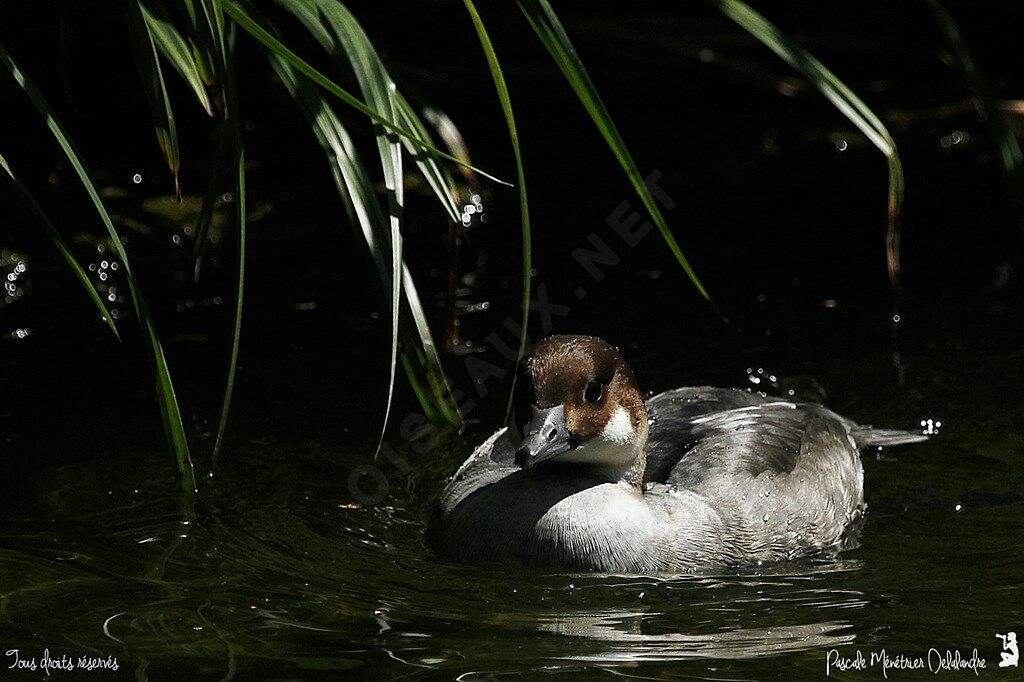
(175, 48)
(552, 35)
(156, 92)
(440, 396)
(391, 160)
(355, 187)
(261, 35)
(439, 179)
(850, 105)
(62, 246)
(340, 34)
(234, 120)
(397, 268)
(1009, 148)
(170, 412)
(333, 25)
(524, 207)
(203, 39)
(236, 327)
(214, 184)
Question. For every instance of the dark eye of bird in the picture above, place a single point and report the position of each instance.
(593, 392)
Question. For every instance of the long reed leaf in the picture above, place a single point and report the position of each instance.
(62, 246)
(156, 92)
(524, 207)
(203, 37)
(258, 32)
(355, 187)
(552, 35)
(170, 412)
(417, 349)
(340, 34)
(333, 25)
(214, 186)
(836, 91)
(175, 48)
(984, 101)
(233, 118)
(438, 177)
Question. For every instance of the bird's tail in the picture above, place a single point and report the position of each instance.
(866, 436)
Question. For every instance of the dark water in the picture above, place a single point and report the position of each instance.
(283, 571)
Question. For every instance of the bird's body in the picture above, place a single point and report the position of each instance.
(728, 477)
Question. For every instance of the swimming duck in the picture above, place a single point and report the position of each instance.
(590, 477)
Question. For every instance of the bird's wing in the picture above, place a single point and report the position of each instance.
(726, 433)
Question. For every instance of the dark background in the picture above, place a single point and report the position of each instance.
(774, 217)
(282, 572)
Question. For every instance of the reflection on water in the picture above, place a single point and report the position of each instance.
(280, 572)
(625, 641)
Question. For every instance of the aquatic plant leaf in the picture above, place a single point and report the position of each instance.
(214, 186)
(988, 109)
(204, 38)
(850, 105)
(233, 117)
(156, 92)
(174, 47)
(439, 179)
(169, 409)
(355, 187)
(334, 26)
(62, 246)
(341, 35)
(524, 207)
(258, 32)
(552, 35)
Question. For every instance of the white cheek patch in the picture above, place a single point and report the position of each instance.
(619, 428)
(615, 445)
